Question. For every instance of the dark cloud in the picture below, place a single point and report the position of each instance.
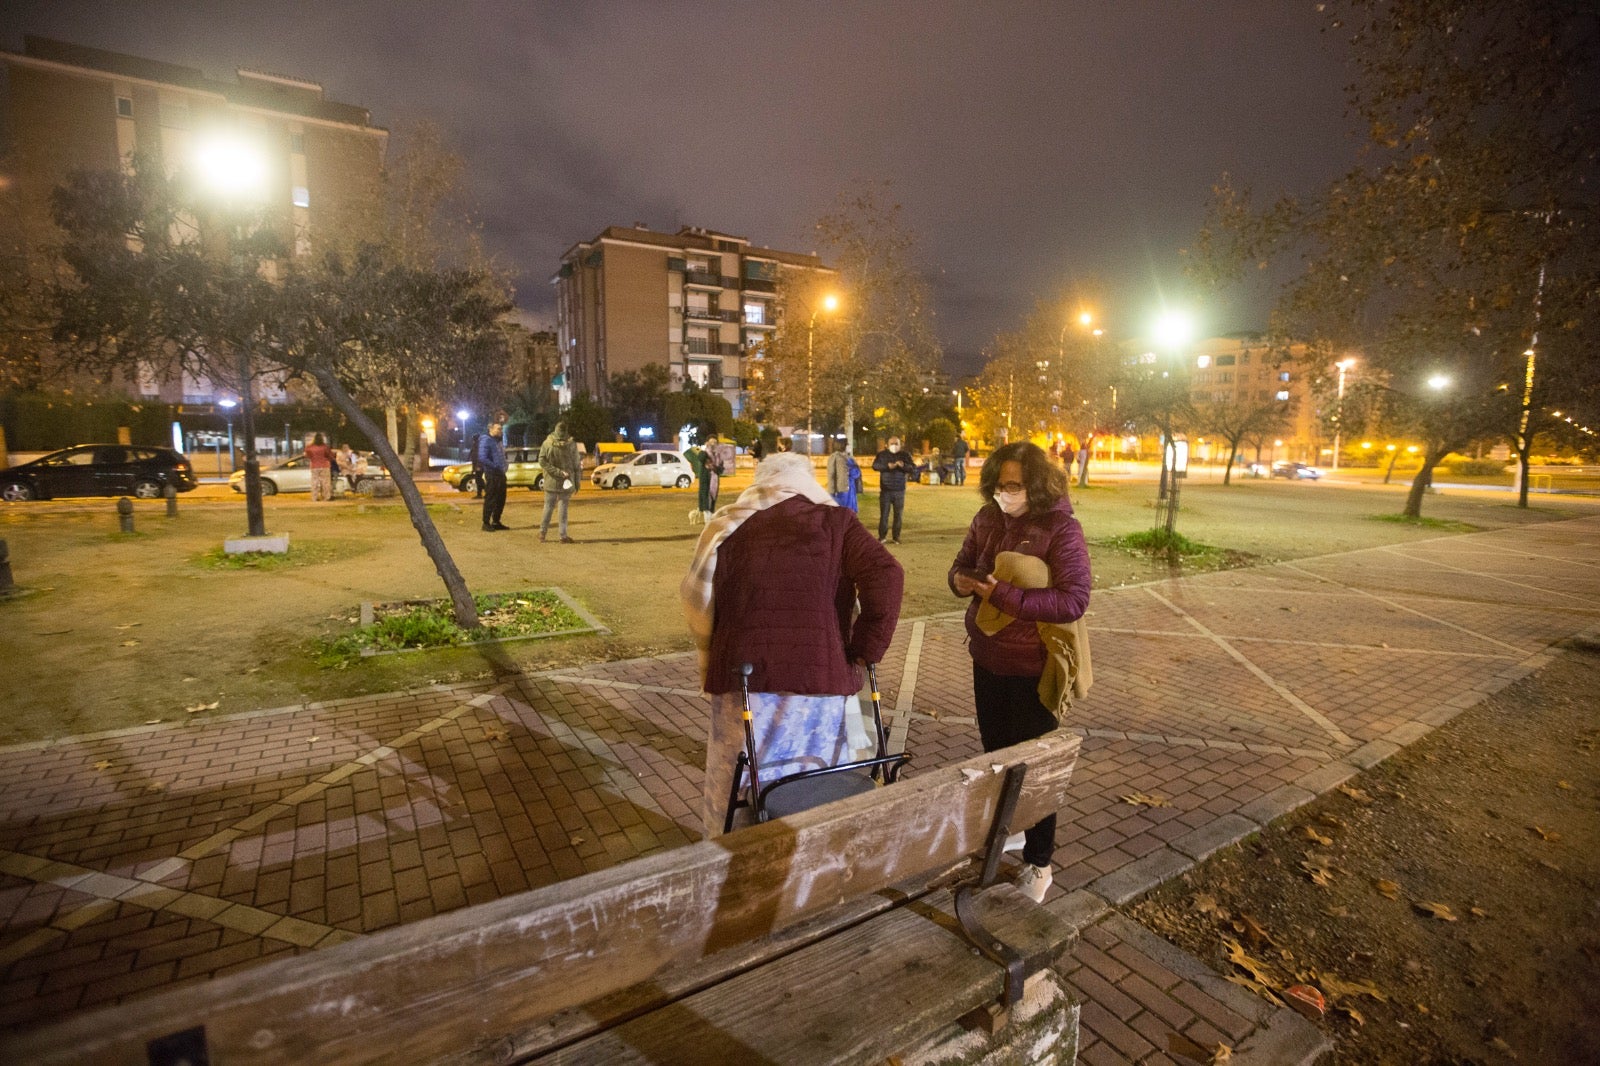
(1034, 146)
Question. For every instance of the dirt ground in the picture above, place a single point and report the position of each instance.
(1459, 918)
(123, 629)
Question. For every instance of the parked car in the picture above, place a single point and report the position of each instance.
(294, 475)
(1295, 471)
(522, 469)
(668, 469)
(99, 470)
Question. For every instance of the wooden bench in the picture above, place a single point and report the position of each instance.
(828, 936)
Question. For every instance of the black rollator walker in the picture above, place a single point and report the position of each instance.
(805, 789)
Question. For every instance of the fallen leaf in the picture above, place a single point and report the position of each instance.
(1422, 1008)
(1434, 910)
(198, 707)
(102, 764)
(1253, 930)
(1387, 888)
(1356, 794)
(1339, 988)
(575, 841)
(1336, 912)
(1545, 834)
(1318, 869)
(1256, 970)
(129, 625)
(155, 786)
(312, 740)
(1547, 864)
(1205, 903)
(1499, 1044)
(1330, 821)
(1139, 799)
(1478, 912)
(154, 721)
(493, 733)
(971, 774)
(130, 644)
(1266, 993)
(1314, 836)
(1564, 785)
(1180, 1045)
(191, 679)
(1354, 1015)
(1306, 1000)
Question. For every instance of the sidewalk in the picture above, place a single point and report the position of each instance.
(162, 855)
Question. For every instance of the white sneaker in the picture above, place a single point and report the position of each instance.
(1034, 881)
(1015, 841)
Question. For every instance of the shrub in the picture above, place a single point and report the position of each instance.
(1475, 467)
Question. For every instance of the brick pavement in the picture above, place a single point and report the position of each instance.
(151, 857)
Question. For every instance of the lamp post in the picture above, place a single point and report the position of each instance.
(1338, 424)
(229, 405)
(1173, 331)
(235, 171)
(463, 416)
(829, 303)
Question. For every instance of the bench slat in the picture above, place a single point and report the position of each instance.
(464, 980)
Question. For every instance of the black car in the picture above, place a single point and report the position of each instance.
(99, 470)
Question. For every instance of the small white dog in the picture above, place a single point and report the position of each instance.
(696, 517)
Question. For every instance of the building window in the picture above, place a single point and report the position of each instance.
(757, 313)
(1224, 360)
(1244, 358)
(1283, 394)
(124, 107)
(301, 196)
(1225, 377)
(297, 143)
(1283, 375)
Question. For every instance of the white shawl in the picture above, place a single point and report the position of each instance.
(778, 477)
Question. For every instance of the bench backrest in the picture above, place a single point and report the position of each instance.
(458, 981)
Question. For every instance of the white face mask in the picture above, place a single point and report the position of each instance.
(894, 447)
(1012, 503)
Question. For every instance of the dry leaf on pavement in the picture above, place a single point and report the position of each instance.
(1254, 968)
(1434, 910)
(1387, 888)
(1139, 799)
(196, 708)
(1314, 836)
(1565, 785)
(1180, 1045)
(102, 764)
(1356, 794)
(493, 733)
(1319, 869)
(1543, 833)
(1478, 912)
(1353, 1014)
(130, 644)
(1341, 989)
(1252, 930)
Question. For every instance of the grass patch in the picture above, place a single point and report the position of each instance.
(431, 624)
(301, 553)
(1179, 550)
(400, 508)
(1443, 525)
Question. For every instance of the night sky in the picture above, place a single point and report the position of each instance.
(1032, 145)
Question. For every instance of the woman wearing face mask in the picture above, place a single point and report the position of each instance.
(1026, 512)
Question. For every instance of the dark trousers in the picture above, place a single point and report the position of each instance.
(890, 499)
(961, 470)
(494, 496)
(1009, 712)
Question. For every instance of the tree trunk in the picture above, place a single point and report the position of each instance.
(1233, 453)
(1524, 452)
(1394, 457)
(389, 416)
(466, 612)
(255, 514)
(1423, 479)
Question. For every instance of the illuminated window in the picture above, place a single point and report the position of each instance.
(301, 196)
(1283, 394)
(1283, 375)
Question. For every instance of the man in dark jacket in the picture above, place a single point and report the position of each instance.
(959, 452)
(491, 457)
(892, 465)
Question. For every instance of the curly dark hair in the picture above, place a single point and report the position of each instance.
(1045, 481)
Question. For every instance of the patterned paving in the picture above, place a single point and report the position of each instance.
(151, 857)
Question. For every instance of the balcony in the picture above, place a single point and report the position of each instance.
(757, 285)
(705, 280)
(710, 314)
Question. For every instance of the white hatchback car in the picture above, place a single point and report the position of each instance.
(667, 469)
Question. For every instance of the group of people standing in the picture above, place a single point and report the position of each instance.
(559, 464)
(787, 580)
(326, 463)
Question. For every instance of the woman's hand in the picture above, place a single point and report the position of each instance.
(971, 586)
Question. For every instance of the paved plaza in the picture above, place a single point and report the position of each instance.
(157, 856)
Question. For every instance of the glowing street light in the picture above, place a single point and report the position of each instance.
(1338, 425)
(232, 166)
(1174, 329)
(1439, 382)
(462, 416)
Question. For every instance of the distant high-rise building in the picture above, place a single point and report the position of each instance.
(695, 302)
(68, 107)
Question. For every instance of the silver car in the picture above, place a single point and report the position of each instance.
(294, 475)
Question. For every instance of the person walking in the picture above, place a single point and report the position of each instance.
(893, 467)
(1025, 566)
(958, 454)
(558, 460)
(776, 580)
(490, 459)
(320, 458)
(844, 477)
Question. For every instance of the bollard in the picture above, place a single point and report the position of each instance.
(125, 514)
(6, 583)
(172, 501)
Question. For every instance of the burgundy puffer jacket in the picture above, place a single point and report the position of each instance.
(785, 586)
(1057, 538)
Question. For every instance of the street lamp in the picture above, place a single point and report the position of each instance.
(235, 171)
(829, 303)
(462, 416)
(1439, 382)
(1338, 424)
(229, 405)
(1173, 331)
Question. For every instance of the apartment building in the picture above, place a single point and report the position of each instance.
(68, 107)
(696, 302)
